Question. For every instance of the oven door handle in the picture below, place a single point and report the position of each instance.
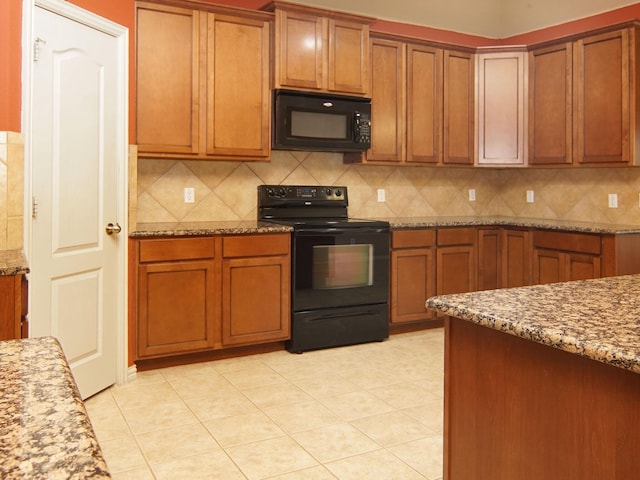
(339, 230)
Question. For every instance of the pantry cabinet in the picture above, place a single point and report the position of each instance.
(202, 83)
(501, 108)
(581, 99)
(413, 274)
(13, 307)
(320, 50)
(255, 289)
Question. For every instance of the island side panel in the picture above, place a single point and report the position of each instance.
(517, 409)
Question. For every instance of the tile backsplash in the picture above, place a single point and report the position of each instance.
(227, 190)
(11, 190)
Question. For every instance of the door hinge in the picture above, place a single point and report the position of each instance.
(36, 48)
(34, 207)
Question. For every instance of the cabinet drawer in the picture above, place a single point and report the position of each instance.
(569, 242)
(456, 236)
(413, 238)
(158, 250)
(256, 245)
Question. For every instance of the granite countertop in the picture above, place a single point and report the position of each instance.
(45, 432)
(564, 225)
(150, 230)
(13, 262)
(598, 319)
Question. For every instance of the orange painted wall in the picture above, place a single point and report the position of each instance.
(10, 65)
(122, 12)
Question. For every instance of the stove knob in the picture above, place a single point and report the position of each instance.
(328, 192)
(338, 193)
(282, 192)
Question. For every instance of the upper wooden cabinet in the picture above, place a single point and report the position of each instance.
(422, 104)
(320, 50)
(501, 108)
(582, 101)
(202, 83)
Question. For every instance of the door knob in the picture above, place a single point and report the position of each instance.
(111, 228)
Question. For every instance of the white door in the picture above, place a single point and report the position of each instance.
(76, 143)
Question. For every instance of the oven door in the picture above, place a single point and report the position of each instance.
(338, 267)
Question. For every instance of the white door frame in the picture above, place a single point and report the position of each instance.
(121, 34)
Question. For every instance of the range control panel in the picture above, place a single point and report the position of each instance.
(296, 193)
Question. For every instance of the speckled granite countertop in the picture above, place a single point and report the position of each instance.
(45, 432)
(598, 319)
(585, 227)
(150, 230)
(13, 262)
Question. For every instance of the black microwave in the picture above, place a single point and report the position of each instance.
(330, 123)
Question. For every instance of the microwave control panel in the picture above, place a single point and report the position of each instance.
(362, 129)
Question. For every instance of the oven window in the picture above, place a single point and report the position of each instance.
(318, 125)
(342, 266)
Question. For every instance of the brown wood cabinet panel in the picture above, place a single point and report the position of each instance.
(168, 45)
(548, 266)
(156, 250)
(489, 258)
(388, 101)
(458, 108)
(516, 258)
(238, 101)
(516, 409)
(176, 308)
(413, 238)
(256, 245)
(255, 300)
(602, 96)
(568, 241)
(456, 269)
(12, 306)
(424, 104)
(348, 68)
(456, 236)
(412, 282)
(582, 267)
(550, 105)
(298, 46)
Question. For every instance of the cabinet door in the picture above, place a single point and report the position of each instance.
(11, 305)
(516, 259)
(238, 100)
(489, 258)
(424, 104)
(255, 300)
(299, 59)
(348, 67)
(550, 105)
(501, 107)
(602, 99)
(387, 101)
(412, 282)
(168, 79)
(548, 266)
(456, 269)
(458, 108)
(176, 309)
(581, 266)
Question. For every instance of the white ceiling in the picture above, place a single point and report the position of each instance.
(487, 18)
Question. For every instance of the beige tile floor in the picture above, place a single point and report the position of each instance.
(371, 411)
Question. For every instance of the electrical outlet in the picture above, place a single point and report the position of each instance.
(613, 200)
(189, 195)
(381, 195)
(472, 194)
(530, 196)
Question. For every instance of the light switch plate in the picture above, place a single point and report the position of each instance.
(613, 200)
(381, 195)
(472, 194)
(530, 196)
(189, 195)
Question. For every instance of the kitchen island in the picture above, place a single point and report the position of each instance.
(45, 432)
(543, 382)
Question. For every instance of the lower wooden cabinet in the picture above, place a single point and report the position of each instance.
(504, 258)
(413, 274)
(206, 293)
(456, 263)
(256, 289)
(13, 307)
